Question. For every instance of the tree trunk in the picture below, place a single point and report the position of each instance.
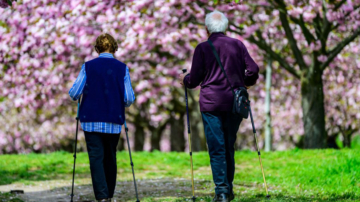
(347, 133)
(140, 125)
(197, 128)
(155, 140)
(120, 146)
(139, 138)
(312, 102)
(156, 137)
(268, 139)
(331, 141)
(177, 138)
(197, 133)
(347, 140)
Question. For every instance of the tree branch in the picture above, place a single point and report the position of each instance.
(317, 25)
(260, 6)
(278, 3)
(290, 36)
(335, 51)
(325, 31)
(275, 56)
(262, 45)
(308, 36)
(337, 6)
(237, 27)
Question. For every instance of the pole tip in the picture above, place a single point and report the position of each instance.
(184, 70)
(268, 196)
(193, 198)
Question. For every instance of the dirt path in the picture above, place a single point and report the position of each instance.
(60, 190)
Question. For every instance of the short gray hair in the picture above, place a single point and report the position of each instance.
(216, 21)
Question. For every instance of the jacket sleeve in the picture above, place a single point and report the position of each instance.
(197, 72)
(79, 84)
(252, 69)
(129, 96)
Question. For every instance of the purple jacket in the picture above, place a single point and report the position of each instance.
(215, 93)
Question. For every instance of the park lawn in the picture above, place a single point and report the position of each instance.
(294, 175)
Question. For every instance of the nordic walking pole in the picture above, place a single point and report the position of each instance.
(258, 150)
(76, 135)
(189, 137)
(131, 163)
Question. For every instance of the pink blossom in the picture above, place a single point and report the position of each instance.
(250, 30)
(142, 85)
(55, 80)
(263, 17)
(153, 109)
(322, 58)
(141, 99)
(156, 118)
(308, 16)
(48, 43)
(295, 12)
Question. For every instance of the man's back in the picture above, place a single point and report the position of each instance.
(215, 94)
(216, 99)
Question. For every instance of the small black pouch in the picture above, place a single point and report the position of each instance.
(241, 103)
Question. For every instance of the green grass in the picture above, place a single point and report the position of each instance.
(295, 175)
(9, 197)
(355, 142)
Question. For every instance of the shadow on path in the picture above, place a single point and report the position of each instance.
(157, 188)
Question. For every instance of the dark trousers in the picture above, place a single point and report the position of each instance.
(220, 131)
(102, 155)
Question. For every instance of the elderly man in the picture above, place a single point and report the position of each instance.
(216, 98)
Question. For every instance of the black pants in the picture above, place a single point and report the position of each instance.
(102, 155)
(220, 131)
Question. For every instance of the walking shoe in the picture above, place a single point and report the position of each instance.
(221, 198)
(231, 196)
(104, 200)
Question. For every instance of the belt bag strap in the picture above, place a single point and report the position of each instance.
(220, 64)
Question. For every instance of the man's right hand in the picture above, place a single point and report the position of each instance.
(181, 77)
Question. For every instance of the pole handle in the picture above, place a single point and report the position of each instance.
(184, 70)
(252, 120)
(126, 128)
(78, 107)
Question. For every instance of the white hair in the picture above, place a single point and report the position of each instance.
(216, 21)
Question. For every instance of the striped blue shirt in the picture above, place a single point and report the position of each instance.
(78, 87)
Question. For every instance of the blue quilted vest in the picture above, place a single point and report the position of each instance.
(103, 95)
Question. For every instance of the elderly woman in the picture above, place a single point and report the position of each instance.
(216, 98)
(106, 88)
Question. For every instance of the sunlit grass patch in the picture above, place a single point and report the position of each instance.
(294, 175)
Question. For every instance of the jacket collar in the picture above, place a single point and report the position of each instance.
(214, 35)
(106, 55)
